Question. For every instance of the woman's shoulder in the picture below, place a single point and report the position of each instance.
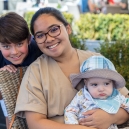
(37, 65)
(84, 54)
(87, 52)
(43, 61)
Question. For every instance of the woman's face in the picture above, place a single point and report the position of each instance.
(56, 40)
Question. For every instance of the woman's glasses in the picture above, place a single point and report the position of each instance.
(41, 37)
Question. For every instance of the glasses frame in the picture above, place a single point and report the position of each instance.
(47, 33)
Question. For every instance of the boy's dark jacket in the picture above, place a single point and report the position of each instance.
(33, 53)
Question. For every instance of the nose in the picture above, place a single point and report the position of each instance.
(14, 50)
(101, 88)
(49, 38)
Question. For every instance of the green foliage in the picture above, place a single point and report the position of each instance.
(58, 6)
(75, 41)
(27, 16)
(118, 53)
(69, 17)
(103, 27)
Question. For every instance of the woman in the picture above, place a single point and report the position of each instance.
(46, 89)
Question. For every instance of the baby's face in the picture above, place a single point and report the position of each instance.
(99, 88)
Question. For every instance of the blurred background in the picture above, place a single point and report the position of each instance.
(73, 6)
(98, 25)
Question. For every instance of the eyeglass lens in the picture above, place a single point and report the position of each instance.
(53, 32)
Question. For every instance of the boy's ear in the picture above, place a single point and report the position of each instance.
(29, 39)
(69, 29)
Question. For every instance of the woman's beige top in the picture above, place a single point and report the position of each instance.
(45, 89)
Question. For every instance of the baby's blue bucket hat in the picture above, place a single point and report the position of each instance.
(101, 67)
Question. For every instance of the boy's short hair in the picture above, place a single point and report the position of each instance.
(13, 28)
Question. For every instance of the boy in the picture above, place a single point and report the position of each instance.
(100, 91)
(16, 46)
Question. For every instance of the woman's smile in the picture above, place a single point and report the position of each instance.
(53, 46)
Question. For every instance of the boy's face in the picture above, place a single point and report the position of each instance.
(99, 88)
(15, 53)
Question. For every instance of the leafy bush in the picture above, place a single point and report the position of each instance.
(75, 41)
(27, 16)
(103, 27)
(118, 53)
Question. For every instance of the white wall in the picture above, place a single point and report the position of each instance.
(1, 6)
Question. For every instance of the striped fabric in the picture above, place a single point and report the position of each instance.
(96, 62)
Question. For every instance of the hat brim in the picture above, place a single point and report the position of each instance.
(99, 73)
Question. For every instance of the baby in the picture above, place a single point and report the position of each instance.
(100, 90)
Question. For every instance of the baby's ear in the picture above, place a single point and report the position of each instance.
(85, 81)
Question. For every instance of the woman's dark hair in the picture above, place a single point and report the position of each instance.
(47, 10)
(13, 28)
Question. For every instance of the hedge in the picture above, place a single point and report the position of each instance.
(103, 27)
(118, 53)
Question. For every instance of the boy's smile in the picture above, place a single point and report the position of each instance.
(16, 57)
(15, 53)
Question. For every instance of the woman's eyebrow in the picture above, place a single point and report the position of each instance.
(38, 32)
(52, 25)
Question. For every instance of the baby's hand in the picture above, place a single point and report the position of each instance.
(9, 68)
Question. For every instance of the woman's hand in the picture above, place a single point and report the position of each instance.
(97, 118)
(102, 120)
(9, 68)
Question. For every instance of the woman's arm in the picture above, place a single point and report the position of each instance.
(102, 120)
(7, 122)
(121, 117)
(39, 121)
